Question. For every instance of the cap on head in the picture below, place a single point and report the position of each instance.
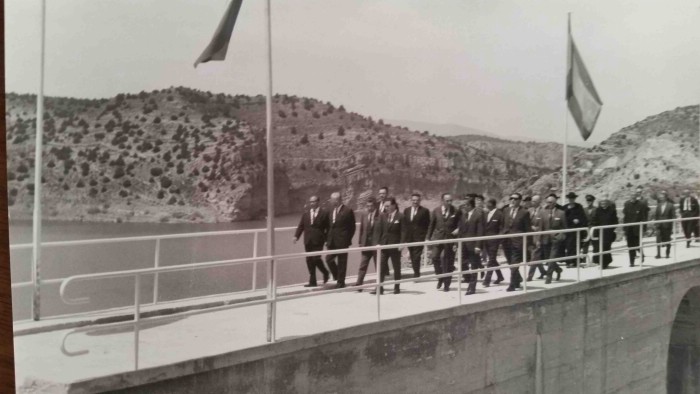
(590, 197)
(571, 195)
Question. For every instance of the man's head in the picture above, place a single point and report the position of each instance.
(686, 193)
(550, 201)
(571, 197)
(479, 201)
(371, 204)
(590, 199)
(415, 200)
(527, 202)
(469, 205)
(383, 192)
(515, 199)
(638, 192)
(604, 202)
(491, 204)
(335, 199)
(313, 202)
(663, 196)
(446, 200)
(392, 206)
(536, 201)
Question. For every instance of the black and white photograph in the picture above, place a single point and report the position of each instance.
(353, 196)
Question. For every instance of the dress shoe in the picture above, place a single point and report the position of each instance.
(310, 285)
(510, 288)
(687, 245)
(439, 285)
(374, 292)
(340, 286)
(548, 280)
(497, 281)
(469, 292)
(657, 257)
(486, 284)
(397, 291)
(529, 279)
(558, 275)
(446, 289)
(542, 276)
(325, 278)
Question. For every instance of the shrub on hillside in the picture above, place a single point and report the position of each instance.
(304, 139)
(341, 131)
(156, 171)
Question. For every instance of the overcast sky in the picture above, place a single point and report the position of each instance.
(495, 65)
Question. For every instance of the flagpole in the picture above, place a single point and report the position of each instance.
(566, 127)
(38, 149)
(271, 285)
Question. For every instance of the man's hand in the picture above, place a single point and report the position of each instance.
(477, 250)
(575, 221)
(455, 232)
(295, 240)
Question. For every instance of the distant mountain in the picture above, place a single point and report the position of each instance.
(180, 154)
(659, 152)
(445, 130)
(539, 154)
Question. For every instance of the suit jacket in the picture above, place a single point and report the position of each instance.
(472, 227)
(393, 232)
(536, 223)
(341, 231)
(694, 208)
(554, 219)
(493, 226)
(669, 212)
(441, 227)
(635, 211)
(314, 233)
(604, 217)
(573, 212)
(519, 224)
(416, 229)
(590, 212)
(370, 235)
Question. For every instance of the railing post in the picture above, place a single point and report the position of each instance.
(254, 285)
(526, 263)
(601, 234)
(378, 260)
(137, 318)
(459, 277)
(273, 323)
(578, 252)
(641, 245)
(675, 241)
(156, 264)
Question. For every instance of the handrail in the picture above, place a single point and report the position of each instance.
(273, 298)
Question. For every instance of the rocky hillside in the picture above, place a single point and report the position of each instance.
(180, 154)
(659, 152)
(537, 154)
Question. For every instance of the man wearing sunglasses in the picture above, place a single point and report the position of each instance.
(516, 220)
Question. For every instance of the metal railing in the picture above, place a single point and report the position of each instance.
(273, 298)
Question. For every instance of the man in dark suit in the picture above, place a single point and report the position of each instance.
(493, 226)
(535, 249)
(443, 222)
(471, 224)
(370, 235)
(392, 229)
(340, 232)
(664, 211)
(552, 218)
(575, 218)
(417, 220)
(690, 208)
(604, 215)
(314, 226)
(589, 209)
(516, 221)
(636, 210)
(381, 198)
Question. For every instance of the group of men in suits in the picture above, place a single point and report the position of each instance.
(382, 223)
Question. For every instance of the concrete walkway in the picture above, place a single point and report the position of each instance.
(38, 356)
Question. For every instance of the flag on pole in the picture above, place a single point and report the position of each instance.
(216, 50)
(581, 96)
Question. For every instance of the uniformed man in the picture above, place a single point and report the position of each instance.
(636, 210)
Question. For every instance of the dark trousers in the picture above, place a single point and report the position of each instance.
(538, 253)
(444, 261)
(364, 264)
(470, 261)
(315, 262)
(633, 242)
(691, 227)
(570, 247)
(395, 256)
(663, 235)
(416, 253)
(338, 271)
(608, 239)
(552, 250)
(492, 252)
(513, 249)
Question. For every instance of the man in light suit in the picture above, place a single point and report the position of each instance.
(552, 218)
(314, 226)
(664, 211)
(690, 208)
(370, 235)
(443, 222)
(535, 249)
(340, 232)
(417, 220)
(493, 226)
(471, 224)
(516, 221)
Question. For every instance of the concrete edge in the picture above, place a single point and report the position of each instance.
(165, 372)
